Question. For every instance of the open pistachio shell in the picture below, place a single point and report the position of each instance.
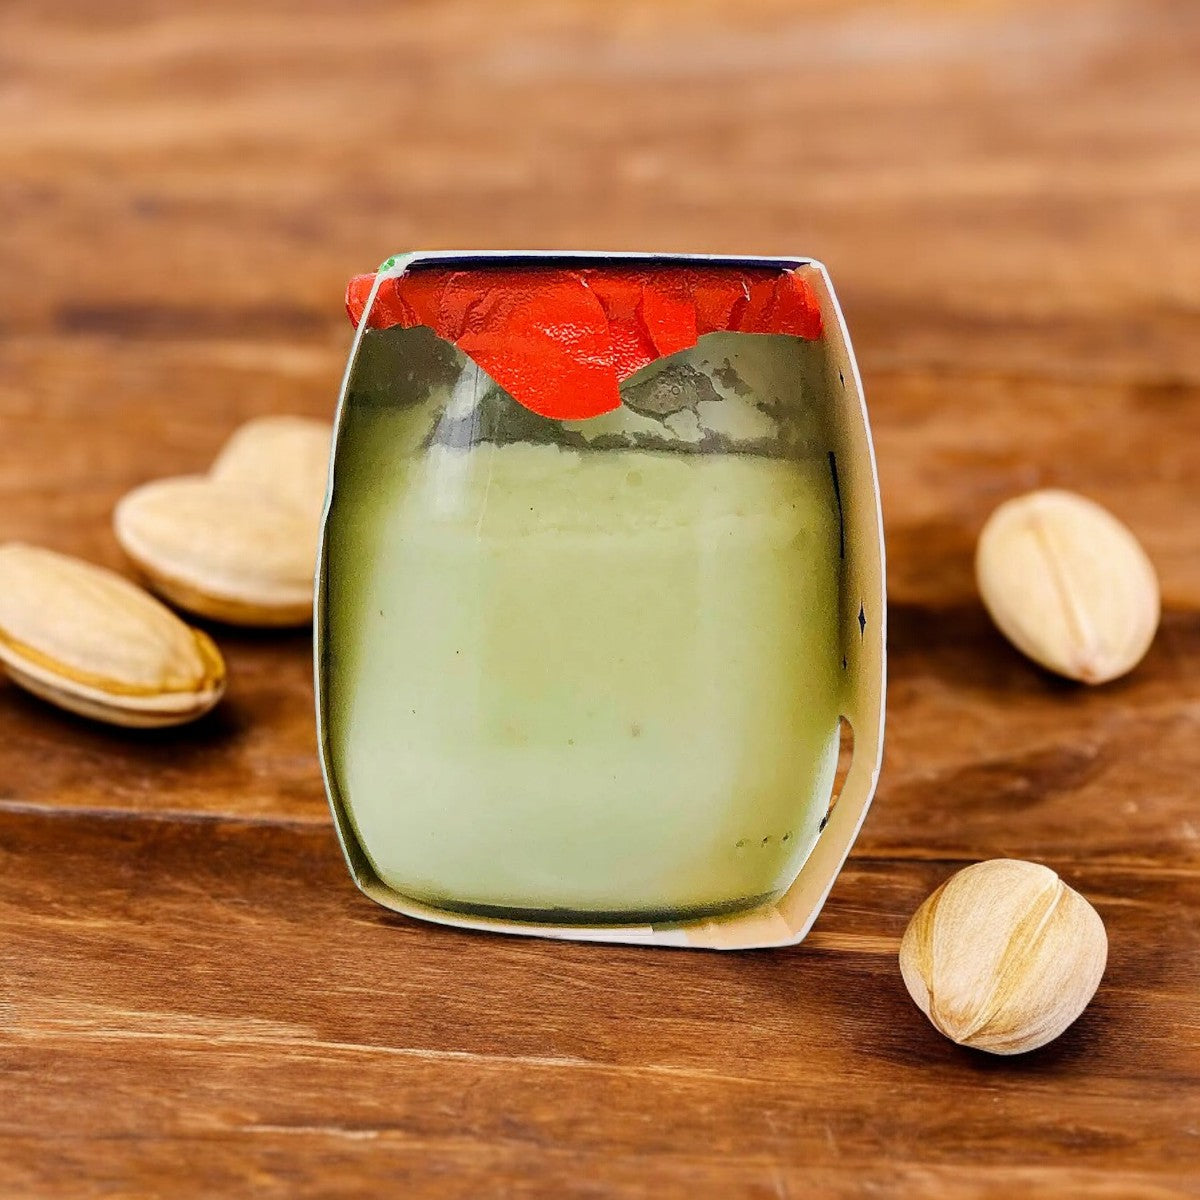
(286, 458)
(89, 641)
(221, 549)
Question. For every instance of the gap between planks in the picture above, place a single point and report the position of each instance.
(239, 821)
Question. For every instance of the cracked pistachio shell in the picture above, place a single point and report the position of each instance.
(1003, 956)
(284, 457)
(1068, 585)
(221, 549)
(94, 643)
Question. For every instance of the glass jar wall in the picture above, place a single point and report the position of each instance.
(584, 671)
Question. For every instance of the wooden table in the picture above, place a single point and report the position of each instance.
(193, 999)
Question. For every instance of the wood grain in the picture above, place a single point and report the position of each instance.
(193, 998)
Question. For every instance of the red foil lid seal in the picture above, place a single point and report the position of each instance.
(562, 341)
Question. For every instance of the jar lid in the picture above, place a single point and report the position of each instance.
(561, 340)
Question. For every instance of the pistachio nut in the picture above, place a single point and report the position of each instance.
(1068, 585)
(220, 549)
(1003, 956)
(285, 458)
(92, 642)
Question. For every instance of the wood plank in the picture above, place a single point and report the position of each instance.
(188, 982)
(1040, 222)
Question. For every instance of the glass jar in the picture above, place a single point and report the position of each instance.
(584, 671)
